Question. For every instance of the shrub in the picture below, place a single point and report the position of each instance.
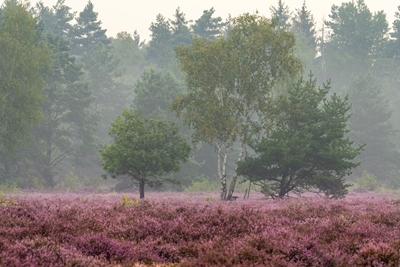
(368, 181)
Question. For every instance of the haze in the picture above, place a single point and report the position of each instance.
(119, 15)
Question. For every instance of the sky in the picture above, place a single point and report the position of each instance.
(122, 15)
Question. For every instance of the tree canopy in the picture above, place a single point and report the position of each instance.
(143, 149)
(307, 149)
(230, 82)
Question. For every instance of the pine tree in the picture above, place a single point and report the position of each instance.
(87, 31)
(207, 26)
(56, 19)
(159, 50)
(181, 34)
(282, 14)
(304, 23)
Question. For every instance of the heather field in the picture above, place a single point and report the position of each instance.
(195, 229)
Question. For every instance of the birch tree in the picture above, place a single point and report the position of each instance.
(230, 82)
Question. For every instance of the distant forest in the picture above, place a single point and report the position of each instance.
(63, 82)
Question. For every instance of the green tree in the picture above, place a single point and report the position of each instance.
(207, 26)
(356, 41)
(282, 14)
(127, 50)
(304, 24)
(154, 91)
(143, 149)
(181, 34)
(230, 81)
(371, 125)
(307, 149)
(22, 58)
(56, 19)
(159, 48)
(66, 133)
(88, 32)
(111, 97)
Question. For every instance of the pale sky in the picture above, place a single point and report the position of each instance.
(119, 15)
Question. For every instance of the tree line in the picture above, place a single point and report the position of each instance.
(64, 82)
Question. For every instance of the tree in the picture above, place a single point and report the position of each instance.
(356, 41)
(181, 34)
(159, 49)
(230, 81)
(154, 91)
(66, 132)
(282, 14)
(371, 125)
(304, 24)
(207, 26)
(87, 31)
(307, 148)
(143, 149)
(56, 19)
(127, 50)
(22, 57)
(110, 95)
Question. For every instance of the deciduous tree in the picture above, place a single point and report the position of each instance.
(143, 149)
(23, 56)
(230, 82)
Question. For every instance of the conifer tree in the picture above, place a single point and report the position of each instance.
(207, 26)
(282, 14)
(159, 49)
(88, 32)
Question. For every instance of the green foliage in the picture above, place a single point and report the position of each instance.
(128, 201)
(304, 24)
(356, 40)
(203, 184)
(143, 149)
(22, 58)
(230, 82)
(159, 50)
(154, 91)
(66, 132)
(87, 32)
(307, 148)
(368, 181)
(207, 26)
(282, 14)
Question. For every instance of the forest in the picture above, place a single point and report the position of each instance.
(192, 107)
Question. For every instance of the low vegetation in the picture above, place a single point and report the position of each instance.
(115, 230)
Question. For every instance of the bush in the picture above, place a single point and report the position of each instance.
(368, 181)
(205, 183)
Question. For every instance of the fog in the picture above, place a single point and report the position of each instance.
(129, 16)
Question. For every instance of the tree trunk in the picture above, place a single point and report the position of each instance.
(233, 183)
(141, 189)
(222, 171)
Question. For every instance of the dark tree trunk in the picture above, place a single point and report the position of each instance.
(141, 189)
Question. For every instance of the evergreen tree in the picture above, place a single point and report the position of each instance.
(159, 50)
(394, 45)
(207, 26)
(65, 136)
(282, 14)
(128, 51)
(356, 41)
(110, 95)
(181, 34)
(87, 31)
(56, 19)
(307, 149)
(371, 125)
(304, 24)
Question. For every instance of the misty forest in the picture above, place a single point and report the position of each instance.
(276, 108)
(230, 87)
